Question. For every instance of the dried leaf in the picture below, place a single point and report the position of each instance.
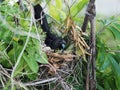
(76, 36)
(61, 56)
(52, 71)
(58, 60)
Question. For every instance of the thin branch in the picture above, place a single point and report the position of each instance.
(19, 32)
(85, 23)
(90, 11)
(41, 81)
(64, 85)
(19, 57)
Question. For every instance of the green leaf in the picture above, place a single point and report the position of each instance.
(117, 81)
(106, 85)
(56, 13)
(116, 70)
(20, 67)
(117, 26)
(105, 65)
(115, 32)
(115, 65)
(31, 62)
(75, 9)
(58, 4)
(99, 87)
(5, 35)
(32, 76)
(42, 58)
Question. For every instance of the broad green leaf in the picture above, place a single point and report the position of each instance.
(5, 35)
(105, 65)
(20, 67)
(42, 58)
(106, 22)
(116, 25)
(36, 52)
(117, 80)
(115, 65)
(106, 85)
(117, 57)
(56, 13)
(75, 9)
(115, 32)
(103, 61)
(24, 23)
(58, 4)
(32, 76)
(99, 87)
(31, 62)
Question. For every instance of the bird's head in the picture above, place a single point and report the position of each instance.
(62, 44)
(57, 43)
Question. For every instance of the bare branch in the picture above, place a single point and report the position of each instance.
(41, 81)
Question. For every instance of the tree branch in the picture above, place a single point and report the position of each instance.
(90, 11)
(91, 71)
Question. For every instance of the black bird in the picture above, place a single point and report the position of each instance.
(51, 39)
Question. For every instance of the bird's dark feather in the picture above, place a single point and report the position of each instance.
(51, 40)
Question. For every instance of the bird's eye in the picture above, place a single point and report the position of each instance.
(63, 45)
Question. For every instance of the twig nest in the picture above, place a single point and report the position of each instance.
(57, 60)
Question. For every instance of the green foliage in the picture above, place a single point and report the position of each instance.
(108, 68)
(58, 4)
(76, 8)
(12, 41)
(56, 11)
(113, 25)
(114, 28)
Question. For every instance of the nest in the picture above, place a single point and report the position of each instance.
(58, 61)
(61, 61)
